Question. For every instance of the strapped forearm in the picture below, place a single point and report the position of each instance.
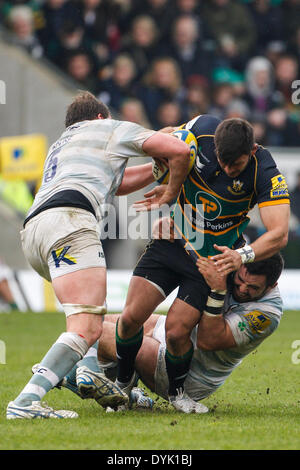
(214, 332)
(215, 302)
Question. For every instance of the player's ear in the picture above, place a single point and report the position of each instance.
(254, 148)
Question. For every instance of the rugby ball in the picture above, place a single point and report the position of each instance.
(161, 175)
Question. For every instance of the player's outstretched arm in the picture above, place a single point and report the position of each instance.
(135, 178)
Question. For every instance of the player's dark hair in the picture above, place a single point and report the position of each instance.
(233, 137)
(85, 107)
(271, 268)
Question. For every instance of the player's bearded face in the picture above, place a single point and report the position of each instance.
(247, 287)
(234, 169)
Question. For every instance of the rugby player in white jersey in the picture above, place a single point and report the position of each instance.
(83, 169)
(241, 312)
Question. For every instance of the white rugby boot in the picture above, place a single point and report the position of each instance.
(140, 399)
(96, 385)
(36, 410)
(182, 402)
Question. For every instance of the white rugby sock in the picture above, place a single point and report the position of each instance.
(59, 360)
(91, 359)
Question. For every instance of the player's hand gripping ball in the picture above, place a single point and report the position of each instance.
(161, 171)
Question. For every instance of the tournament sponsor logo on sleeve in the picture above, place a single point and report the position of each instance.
(257, 321)
(279, 187)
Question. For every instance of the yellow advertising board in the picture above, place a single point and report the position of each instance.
(22, 157)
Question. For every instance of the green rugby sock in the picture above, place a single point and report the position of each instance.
(177, 370)
(127, 350)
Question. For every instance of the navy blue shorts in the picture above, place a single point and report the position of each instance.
(170, 266)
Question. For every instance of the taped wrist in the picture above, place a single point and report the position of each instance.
(215, 302)
(247, 254)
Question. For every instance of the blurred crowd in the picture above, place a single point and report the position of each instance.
(161, 62)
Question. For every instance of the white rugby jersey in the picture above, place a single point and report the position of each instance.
(90, 157)
(250, 323)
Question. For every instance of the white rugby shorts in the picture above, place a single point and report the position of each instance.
(194, 388)
(62, 240)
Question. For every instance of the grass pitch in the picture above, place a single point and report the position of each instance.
(258, 408)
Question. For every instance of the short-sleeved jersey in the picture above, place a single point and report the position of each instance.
(90, 157)
(250, 323)
(214, 205)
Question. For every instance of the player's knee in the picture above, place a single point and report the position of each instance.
(87, 327)
(95, 335)
(176, 337)
(91, 333)
(128, 323)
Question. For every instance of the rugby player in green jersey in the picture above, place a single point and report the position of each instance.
(230, 176)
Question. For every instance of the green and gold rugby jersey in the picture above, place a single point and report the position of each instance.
(212, 207)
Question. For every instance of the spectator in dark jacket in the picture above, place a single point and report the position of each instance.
(142, 43)
(268, 23)
(231, 26)
(79, 67)
(282, 130)
(114, 90)
(55, 13)
(286, 72)
(162, 83)
(161, 11)
(186, 48)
